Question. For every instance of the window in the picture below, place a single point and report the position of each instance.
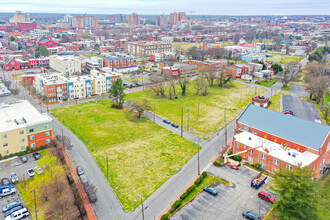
(6, 152)
(47, 133)
(237, 145)
(263, 156)
(21, 132)
(289, 167)
(5, 144)
(23, 147)
(250, 160)
(32, 137)
(22, 139)
(33, 144)
(46, 126)
(276, 162)
(4, 136)
(263, 166)
(47, 141)
(251, 151)
(31, 130)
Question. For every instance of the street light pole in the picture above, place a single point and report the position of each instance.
(35, 202)
(142, 207)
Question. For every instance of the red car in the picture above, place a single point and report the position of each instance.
(266, 196)
(288, 112)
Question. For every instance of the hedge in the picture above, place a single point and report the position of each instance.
(176, 204)
(190, 189)
(165, 216)
(184, 195)
(26, 151)
(204, 174)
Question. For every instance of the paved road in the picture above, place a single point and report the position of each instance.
(108, 206)
(230, 202)
(301, 108)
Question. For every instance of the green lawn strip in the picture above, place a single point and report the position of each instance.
(285, 88)
(207, 181)
(323, 211)
(136, 79)
(52, 171)
(211, 106)
(284, 58)
(142, 155)
(276, 101)
(92, 55)
(267, 83)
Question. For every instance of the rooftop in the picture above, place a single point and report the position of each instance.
(273, 149)
(20, 114)
(288, 127)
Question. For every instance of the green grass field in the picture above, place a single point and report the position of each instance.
(276, 102)
(284, 58)
(92, 55)
(142, 155)
(267, 83)
(136, 79)
(211, 107)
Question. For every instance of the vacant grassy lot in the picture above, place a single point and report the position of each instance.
(89, 55)
(142, 155)
(51, 187)
(276, 102)
(267, 83)
(284, 58)
(211, 106)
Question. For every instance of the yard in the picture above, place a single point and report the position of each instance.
(284, 58)
(210, 116)
(267, 83)
(53, 194)
(142, 155)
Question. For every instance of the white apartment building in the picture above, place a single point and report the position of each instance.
(65, 64)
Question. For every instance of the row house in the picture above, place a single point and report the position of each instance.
(281, 140)
(70, 47)
(18, 64)
(118, 62)
(209, 65)
(182, 70)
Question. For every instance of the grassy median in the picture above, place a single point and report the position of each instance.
(141, 154)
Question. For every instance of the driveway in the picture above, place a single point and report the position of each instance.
(301, 108)
(230, 202)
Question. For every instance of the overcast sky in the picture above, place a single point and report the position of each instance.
(206, 7)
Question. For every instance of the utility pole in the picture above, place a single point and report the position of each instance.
(225, 127)
(181, 121)
(35, 202)
(198, 157)
(142, 207)
(107, 168)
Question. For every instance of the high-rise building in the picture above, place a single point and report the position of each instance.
(70, 19)
(134, 19)
(177, 17)
(86, 21)
(117, 18)
(19, 17)
(162, 21)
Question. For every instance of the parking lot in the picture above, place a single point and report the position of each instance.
(230, 202)
(8, 167)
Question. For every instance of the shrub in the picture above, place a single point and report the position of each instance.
(190, 189)
(237, 158)
(204, 174)
(164, 217)
(217, 163)
(176, 204)
(184, 195)
(199, 180)
(257, 166)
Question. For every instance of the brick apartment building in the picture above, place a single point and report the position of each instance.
(26, 26)
(118, 62)
(283, 140)
(144, 48)
(209, 65)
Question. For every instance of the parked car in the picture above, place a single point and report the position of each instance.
(11, 206)
(19, 214)
(211, 190)
(24, 159)
(175, 125)
(91, 195)
(167, 121)
(288, 112)
(6, 187)
(38, 170)
(36, 156)
(30, 172)
(80, 171)
(14, 178)
(5, 181)
(266, 196)
(251, 215)
(7, 192)
(9, 212)
(83, 179)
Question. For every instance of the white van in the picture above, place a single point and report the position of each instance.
(19, 214)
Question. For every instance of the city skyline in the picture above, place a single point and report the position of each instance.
(208, 7)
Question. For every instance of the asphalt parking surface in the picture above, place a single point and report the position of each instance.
(301, 108)
(230, 202)
(8, 167)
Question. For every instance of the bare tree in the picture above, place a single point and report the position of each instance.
(325, 108)
(138, 106)
(223, 77)
(66, 141)
(184, 81)
(210, 76)
(62, 209)
(318, 86)
(158, 85)
(288, 74)
(201, 86)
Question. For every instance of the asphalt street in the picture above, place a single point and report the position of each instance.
(301, 108)
(230, 202)
(108, 207)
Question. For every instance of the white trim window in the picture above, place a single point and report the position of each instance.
(263, 156)
(276, 162)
